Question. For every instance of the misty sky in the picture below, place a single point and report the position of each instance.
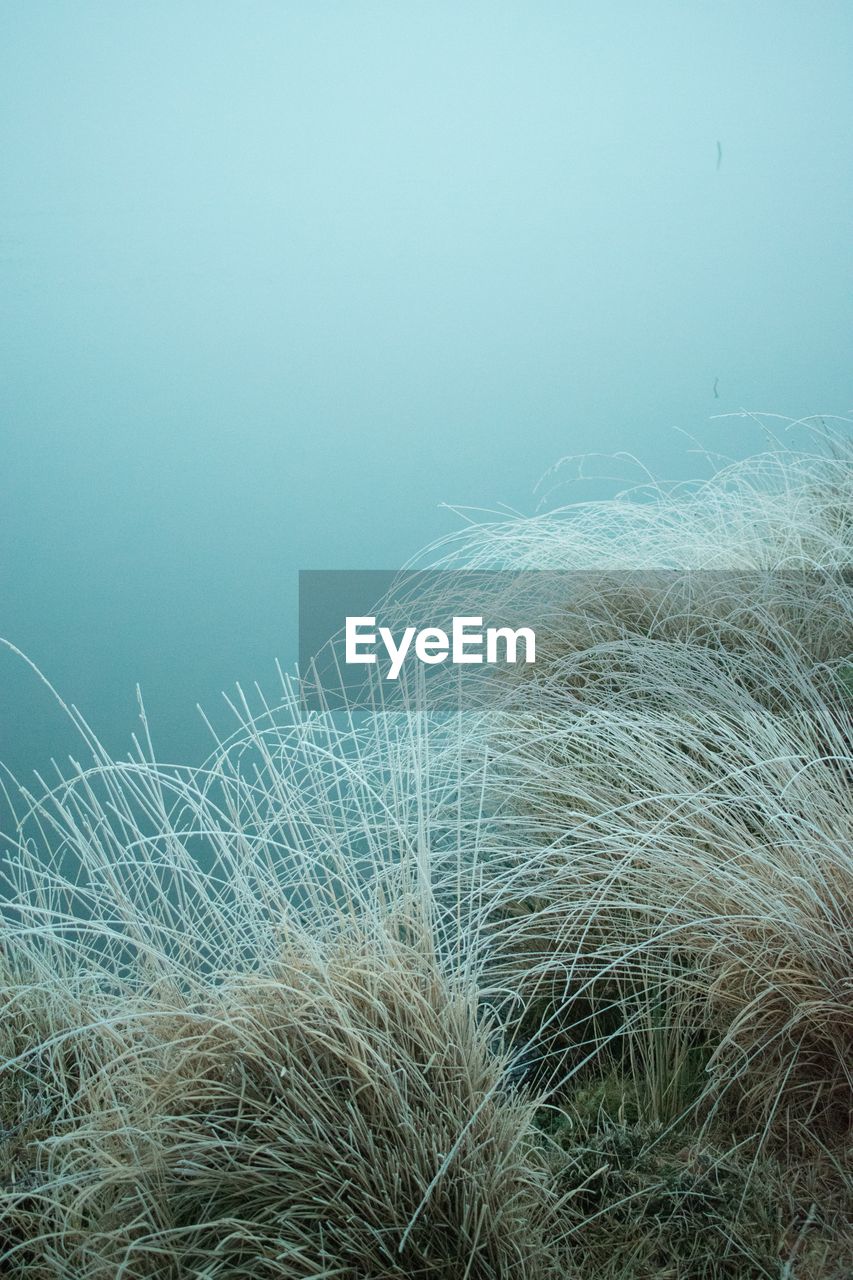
(280, 278)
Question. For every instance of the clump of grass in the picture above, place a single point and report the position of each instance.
(349, 1118)
(79, 1135)
(340, 1113)
(692, 835)
(669, 789)
(562, 983)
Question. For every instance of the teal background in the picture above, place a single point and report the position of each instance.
(280, 278)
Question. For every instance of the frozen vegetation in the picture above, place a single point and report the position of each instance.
(562, 987)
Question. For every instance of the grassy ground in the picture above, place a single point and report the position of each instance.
(563, 989)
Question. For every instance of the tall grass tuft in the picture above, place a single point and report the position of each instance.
(560, 985)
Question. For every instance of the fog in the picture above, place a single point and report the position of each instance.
(281, 279)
